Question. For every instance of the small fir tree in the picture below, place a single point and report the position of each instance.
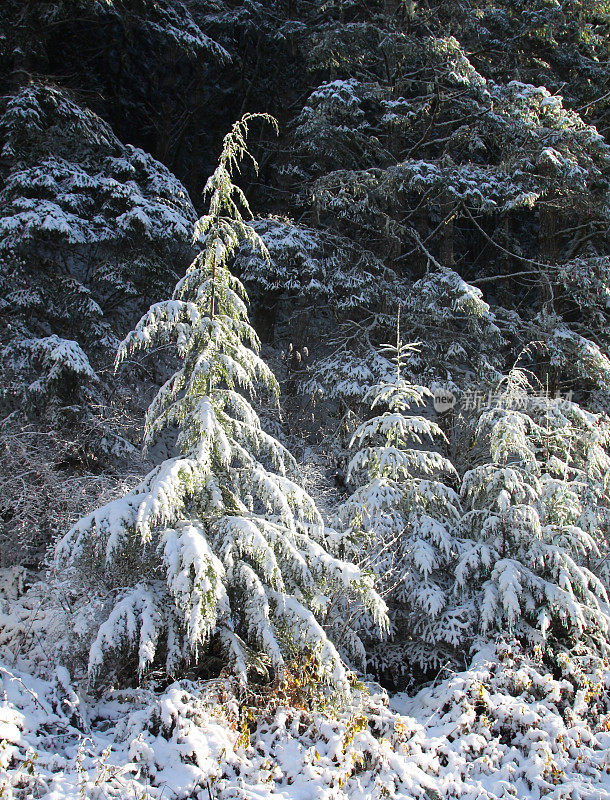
(535, 521)
(402, 520)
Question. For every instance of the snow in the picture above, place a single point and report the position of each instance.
(502, 728)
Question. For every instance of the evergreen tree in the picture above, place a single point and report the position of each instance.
(219, 545)
(87, 227)
(402, 520)
(536, 521)
(508, 193)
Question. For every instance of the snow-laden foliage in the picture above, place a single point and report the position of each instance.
(518, 145)
(402, 520)
(418, 148)
(311, 265)
(536, 521)
(580, 358)
(462, 340)
(87, 225)
(170, 22)
(573, 37)
(314, 274)
(218, 547)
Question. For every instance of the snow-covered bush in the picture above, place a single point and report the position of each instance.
(502, 728)
(219, 549)
(51, 474)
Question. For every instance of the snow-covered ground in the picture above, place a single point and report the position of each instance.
(502, 729)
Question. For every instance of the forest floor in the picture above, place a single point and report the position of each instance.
(503, 728)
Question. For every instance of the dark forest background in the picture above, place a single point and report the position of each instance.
(446, 158)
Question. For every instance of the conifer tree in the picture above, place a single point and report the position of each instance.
(508, 193)
(402, 519)
(87, 227)
(535, 521)
(218, 546)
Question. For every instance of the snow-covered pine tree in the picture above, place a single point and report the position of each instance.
(218, 546)
(536, 521)
(401, 522)
(87, 228)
